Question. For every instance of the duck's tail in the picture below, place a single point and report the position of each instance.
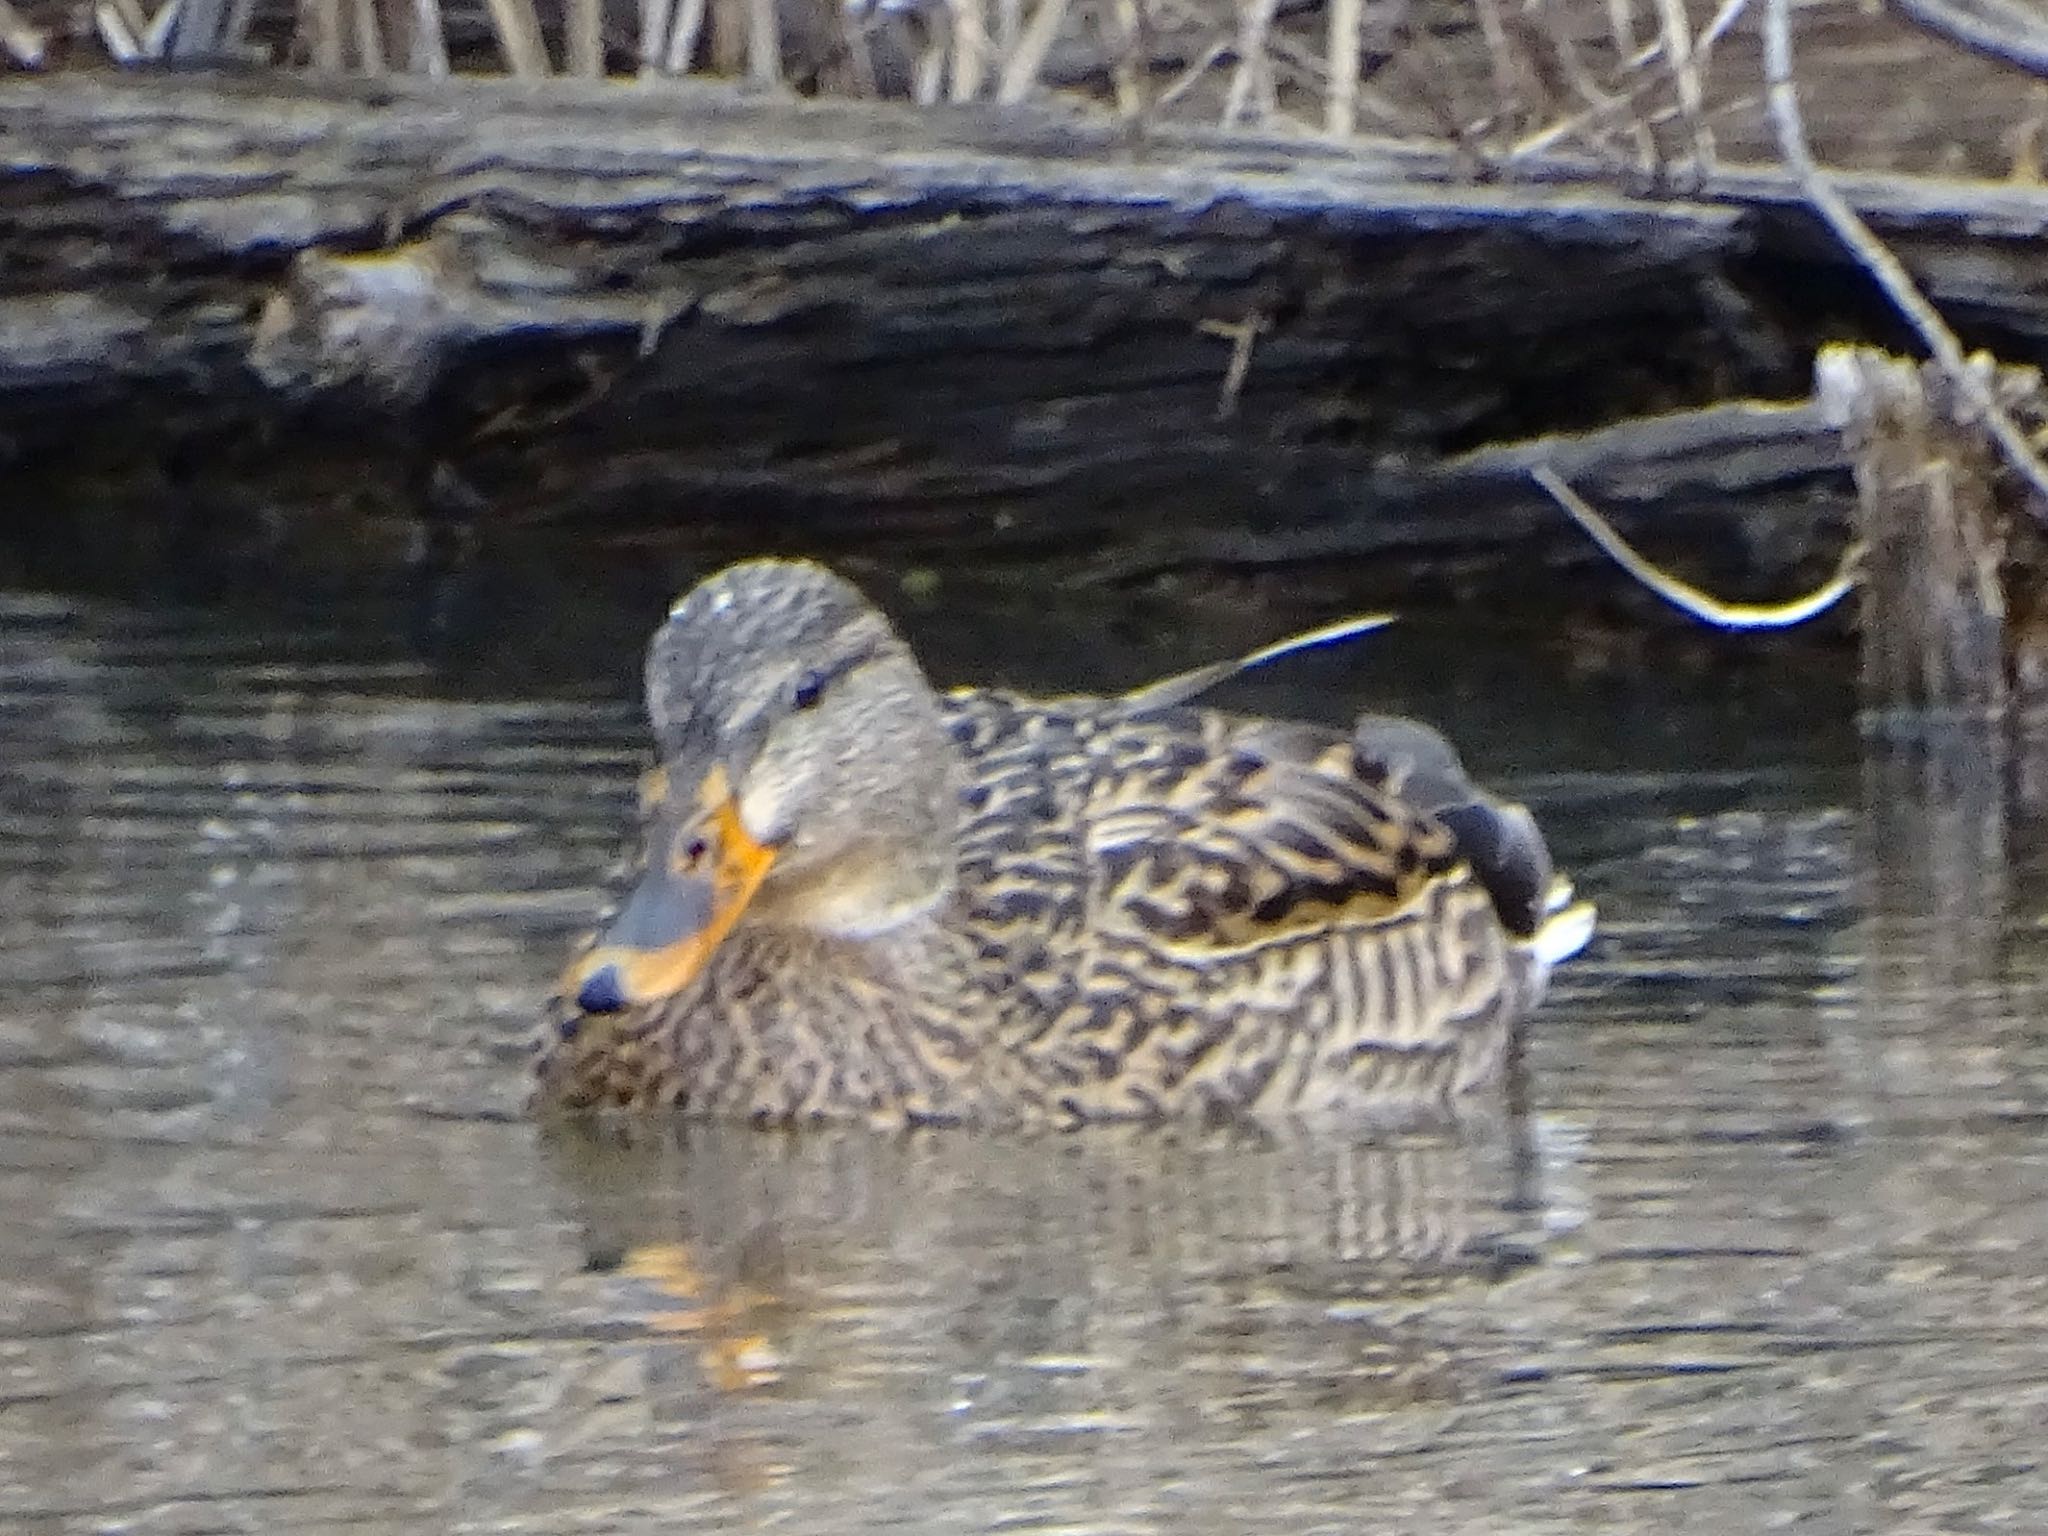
(1565, 927)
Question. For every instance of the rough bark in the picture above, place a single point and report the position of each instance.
(677, 315)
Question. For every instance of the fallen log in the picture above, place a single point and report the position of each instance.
(354, 315)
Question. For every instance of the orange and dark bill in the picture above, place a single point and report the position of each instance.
(702, 869)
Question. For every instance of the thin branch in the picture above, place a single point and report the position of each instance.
(1687, 597)
(1970, 382)
(2022, 43)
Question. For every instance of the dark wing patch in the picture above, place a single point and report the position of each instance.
(1269, 835)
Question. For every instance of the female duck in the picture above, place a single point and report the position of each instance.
(857, 897)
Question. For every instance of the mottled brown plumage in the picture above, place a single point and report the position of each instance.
(859, 898)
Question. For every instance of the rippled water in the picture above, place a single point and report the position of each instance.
(278, 1254)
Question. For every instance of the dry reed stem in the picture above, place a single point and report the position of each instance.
(426, 49)
(122, 45)
(860, 58)
(1255, 23)
(1601, 106)
(1676, 29)
(928, 82)
(1243, 336)
(583, 28)
(764, 45)
(683, 37)
(1501, 63)
(1621, 26)
(320, 21)
(162, 27)
(1020, 69)
(1186, 80)
(2021, 43)
(1128, 73)
(369, 37)
(1346, 45)
(134, 24)
(1972, 382)
(198, 32)
(519, 37)
(1725, 18)
(969, 37)
(654, 36)
(234, 33)
(25, 44)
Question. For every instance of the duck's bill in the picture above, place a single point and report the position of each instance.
(678, 914)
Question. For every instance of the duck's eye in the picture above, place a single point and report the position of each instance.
(691, 855)
(808, 690)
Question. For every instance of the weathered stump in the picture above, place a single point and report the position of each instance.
(1954, 555)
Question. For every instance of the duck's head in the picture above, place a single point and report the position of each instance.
(806, 779)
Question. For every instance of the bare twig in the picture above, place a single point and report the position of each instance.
(1242, 335)
(681, 47)
(968, 25)
(1726, 17)
(163, 26)
(518, 28)
(115, 35)
(199, 29)
(1971, 382)
(369, 37)
(1684, 595)
(1020, 69)
(1621, 26)
(1128, 71)
(1676, 31)
(928, 80)
(764, 44)
(584, 25)
(1499, 58)
(1191, 75)
(1347, 25)
(427, 49)
(654, 38)
(25, 44)
(1256, 20)
(2017, 38)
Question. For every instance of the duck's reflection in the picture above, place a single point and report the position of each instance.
(1051, 1283)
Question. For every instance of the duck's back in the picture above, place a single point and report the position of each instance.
(1178, 910)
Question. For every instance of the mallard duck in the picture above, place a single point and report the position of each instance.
(857, 896)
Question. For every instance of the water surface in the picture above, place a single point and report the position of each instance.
(278, 1254)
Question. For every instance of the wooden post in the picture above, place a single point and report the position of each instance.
(1933, 616)
(1954, 556)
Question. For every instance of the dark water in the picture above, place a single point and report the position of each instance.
(277, 1253)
